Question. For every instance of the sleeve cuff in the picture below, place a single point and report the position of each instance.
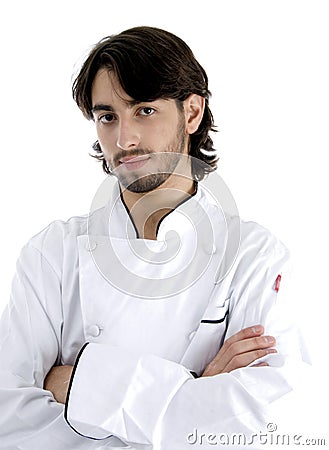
(68, 397)
(114, 392)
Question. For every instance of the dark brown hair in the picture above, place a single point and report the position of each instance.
(151, 63)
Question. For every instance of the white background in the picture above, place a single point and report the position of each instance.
(267, 63)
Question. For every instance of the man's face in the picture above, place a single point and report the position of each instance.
(134, 136)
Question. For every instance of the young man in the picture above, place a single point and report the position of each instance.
(126, 316)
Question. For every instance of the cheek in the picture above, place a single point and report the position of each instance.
(101, 134)
(105, 139)
(161, 133)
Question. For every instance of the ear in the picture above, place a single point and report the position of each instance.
(193, 107)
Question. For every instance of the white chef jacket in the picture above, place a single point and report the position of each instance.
(133, 384)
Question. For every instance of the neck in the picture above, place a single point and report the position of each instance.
(147, 209)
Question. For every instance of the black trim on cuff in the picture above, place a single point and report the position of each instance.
(194, 374)
(68, 395)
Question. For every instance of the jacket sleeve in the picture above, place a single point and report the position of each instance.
(30, 331)
(152, 401)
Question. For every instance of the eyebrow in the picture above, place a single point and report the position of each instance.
(101, 107)
(106, 107)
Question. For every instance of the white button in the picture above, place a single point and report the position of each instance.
(90, 245)
(94, 331)
(191, 335)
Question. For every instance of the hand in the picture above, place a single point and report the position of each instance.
(240, 350)
(57, 382)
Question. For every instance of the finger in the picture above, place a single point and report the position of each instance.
(248, 345)
(261, 364)
(226, 353)
(243, 346)
(245, 359)
(245, 333)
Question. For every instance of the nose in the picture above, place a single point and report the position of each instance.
(128, 135)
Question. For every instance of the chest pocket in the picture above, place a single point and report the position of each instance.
(221, 313)
(208, 338)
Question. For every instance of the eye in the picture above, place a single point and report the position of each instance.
(106, 118)
(146, 111)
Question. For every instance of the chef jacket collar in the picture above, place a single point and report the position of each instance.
(168, 217)
(115, 220)
(121, 224)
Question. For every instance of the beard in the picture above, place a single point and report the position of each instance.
(165, 166)
(161, 165)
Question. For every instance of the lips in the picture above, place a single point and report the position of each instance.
(134, 162)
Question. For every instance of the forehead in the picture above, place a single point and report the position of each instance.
(106, 88)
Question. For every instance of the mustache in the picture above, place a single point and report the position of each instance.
(133, 152)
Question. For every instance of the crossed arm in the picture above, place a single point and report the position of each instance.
(240, 350)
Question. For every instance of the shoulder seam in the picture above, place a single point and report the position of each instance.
(29, 244)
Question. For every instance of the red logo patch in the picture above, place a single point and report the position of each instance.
(277, 283)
